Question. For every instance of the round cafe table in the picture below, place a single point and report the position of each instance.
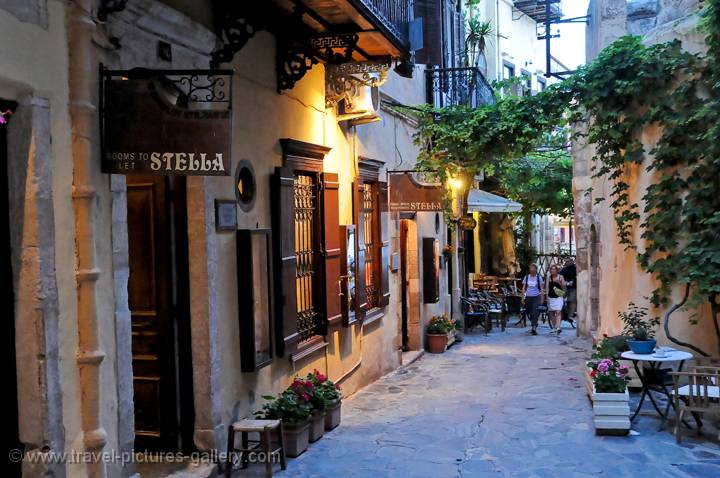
(655, 363)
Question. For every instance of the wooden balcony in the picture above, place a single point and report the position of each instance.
(381, 25)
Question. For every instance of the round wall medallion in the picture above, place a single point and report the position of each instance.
(245, 185)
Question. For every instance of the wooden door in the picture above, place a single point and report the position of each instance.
(404, 284)
(157, 291)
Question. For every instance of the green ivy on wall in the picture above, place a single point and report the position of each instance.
(629, 88)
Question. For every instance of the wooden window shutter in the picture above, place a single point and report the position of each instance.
(360, 293)
(283, 214)
(331, 248)
(383, 216)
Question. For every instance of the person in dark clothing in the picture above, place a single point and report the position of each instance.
(569, 273)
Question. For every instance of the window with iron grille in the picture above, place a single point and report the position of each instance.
(306, 277)
(369, 210)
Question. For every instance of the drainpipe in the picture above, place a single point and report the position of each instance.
(83, 71)
(498, 55)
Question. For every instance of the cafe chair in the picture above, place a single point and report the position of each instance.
(697, 392)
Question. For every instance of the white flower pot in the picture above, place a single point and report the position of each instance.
(611, 413)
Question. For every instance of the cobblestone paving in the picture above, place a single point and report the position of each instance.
(505, 405)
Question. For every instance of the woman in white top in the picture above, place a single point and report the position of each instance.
(532, 293)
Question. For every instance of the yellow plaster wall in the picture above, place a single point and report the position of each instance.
(261, 118)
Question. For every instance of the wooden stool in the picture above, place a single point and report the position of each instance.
(263, 428)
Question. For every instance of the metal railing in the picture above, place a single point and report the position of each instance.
(393, 15)
(457, 86)
(538, 10)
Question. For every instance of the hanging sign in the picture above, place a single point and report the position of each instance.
(409, 192)
(174, 122)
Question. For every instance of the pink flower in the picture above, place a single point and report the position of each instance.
(603, 367)
(305, 396)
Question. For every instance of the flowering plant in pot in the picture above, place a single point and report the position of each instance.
(437, 333)
(294, 410)
(611, 408)
(332, 396)
(639, 328)
(612, 347)
(310, 387)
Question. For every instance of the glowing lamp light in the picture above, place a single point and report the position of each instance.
(456, 183)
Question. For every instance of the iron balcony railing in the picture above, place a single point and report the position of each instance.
(457, 86)
(393, 16)
(540, 10)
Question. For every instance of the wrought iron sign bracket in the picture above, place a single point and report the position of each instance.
(236, 24)
(343, 81)
(295, 57)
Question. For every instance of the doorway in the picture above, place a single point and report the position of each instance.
(594, 279)
(410, 286)
(158, 295)
(11, 433)
(404, 285)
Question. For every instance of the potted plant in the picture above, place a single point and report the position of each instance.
(294, 410)
(439, 333)
(639, 328)
(613, 347)
(611, 408)
(447, 252)
(332, 397)
(307, 387)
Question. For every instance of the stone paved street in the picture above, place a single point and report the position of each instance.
(504, 405)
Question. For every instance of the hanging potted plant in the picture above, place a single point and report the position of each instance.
(447, 252)
(611, 408)
(294, 410)
(639, 328)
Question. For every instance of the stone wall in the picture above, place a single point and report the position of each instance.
(608, 275)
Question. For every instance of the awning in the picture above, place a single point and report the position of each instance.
(483, 201)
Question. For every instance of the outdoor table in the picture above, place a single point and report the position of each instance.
(655, 362)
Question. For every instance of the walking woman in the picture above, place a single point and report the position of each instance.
(532, 292)
(555, 294)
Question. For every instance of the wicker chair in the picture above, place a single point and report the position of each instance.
(697, 392)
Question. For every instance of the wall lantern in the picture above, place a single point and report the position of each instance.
(354, 89)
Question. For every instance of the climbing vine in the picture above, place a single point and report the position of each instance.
(629, 93)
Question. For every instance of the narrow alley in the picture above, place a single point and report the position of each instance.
(503, 405)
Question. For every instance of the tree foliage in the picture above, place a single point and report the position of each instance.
(629, 88)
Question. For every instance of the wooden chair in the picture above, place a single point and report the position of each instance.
(700, 395)
(265, 430)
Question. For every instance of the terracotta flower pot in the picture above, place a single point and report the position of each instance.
(436, 343)
(296, 437)
(317, 425)
(332, 415)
